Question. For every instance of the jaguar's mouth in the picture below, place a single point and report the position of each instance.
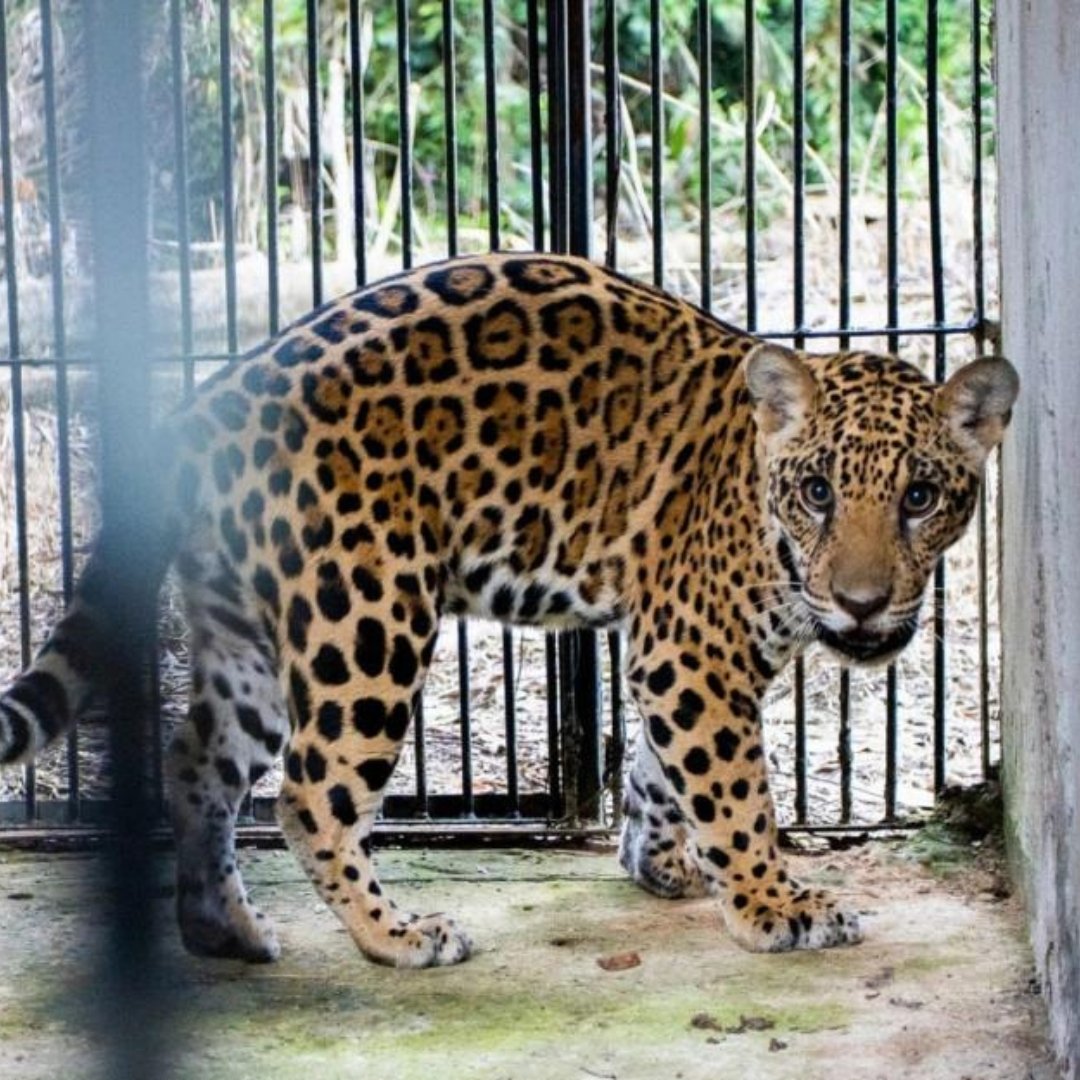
(866, 647)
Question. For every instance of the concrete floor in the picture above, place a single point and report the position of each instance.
(940, 988)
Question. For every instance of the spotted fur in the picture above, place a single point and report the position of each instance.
(532, 439)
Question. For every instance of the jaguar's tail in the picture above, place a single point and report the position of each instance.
(70, 671)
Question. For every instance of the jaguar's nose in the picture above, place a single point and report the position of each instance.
(862, 604)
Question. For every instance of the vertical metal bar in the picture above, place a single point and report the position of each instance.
(705, 122)
(183, 227)
(356, 63)
(801, 799)
(584, 644)
(420, 753)
(844, 747)
(618, 726)
(613, 169)
(570, 731)
(405, 132)
(536, 147)
(656, 77)
(492, 120)
(938, 281)
(131, 986)
(314, 152)
(18, 423)
(555, 773)
(845, 170)
(63, 429)
(270, 94)
(228, 195)
(892, 318)
(799, 316)
(892, 257)
(579, 170)
(750, 152)
(557, 123)
(465, 718)
(979, 253)
(510, 721)
(612, 133)
(450, 126)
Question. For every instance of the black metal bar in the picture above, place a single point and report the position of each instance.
(612, 134)
(130, 988)
(844, 747)
(750, 158)
(938, 281)
(569, 731)
(555, 773)
(420, 757)
(579, 171)
(450, 125)
(63, 415)
(584, 646)
(18, 422)
(536, 147)
(801, 784)
(356, 88)
(492, 121)
(405, 132)
(558, 123)
(180, 156)
(510, 722)
(845, 170)
(465, 718)
(979, 259)
(705, 122)
(273, 295)
(228, 194)
(892, 274)
(798, 165)
(314, 152)
(799, 317)
(614, 768)
(845, 342)
(656, 76)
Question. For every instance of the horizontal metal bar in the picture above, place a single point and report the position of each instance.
(919, 330)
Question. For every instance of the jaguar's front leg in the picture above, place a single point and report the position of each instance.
(704, 726)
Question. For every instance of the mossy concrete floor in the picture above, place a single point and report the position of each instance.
(940, 988)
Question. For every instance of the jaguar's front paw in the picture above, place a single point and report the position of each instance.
(810, 919)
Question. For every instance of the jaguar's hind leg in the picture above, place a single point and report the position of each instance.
(352, 692)
(656, 847)
(235, 729)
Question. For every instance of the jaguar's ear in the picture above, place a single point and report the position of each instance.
(781, 387)
(977, 403)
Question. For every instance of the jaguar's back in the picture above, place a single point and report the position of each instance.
(504, 426)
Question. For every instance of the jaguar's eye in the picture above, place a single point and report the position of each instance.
(817, 493)
(919, 499)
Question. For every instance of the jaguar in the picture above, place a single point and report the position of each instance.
(533, 439)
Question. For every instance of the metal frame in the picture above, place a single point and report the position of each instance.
(559, 43)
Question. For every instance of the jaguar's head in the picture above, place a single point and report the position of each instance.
(871, 472)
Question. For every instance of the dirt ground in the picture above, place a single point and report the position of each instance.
(941, 988)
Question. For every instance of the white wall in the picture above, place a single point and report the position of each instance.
(1038, 76)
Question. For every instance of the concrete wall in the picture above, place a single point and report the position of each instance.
(1038, 77)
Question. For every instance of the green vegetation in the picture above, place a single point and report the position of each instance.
(683, 126)
(280, 176)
